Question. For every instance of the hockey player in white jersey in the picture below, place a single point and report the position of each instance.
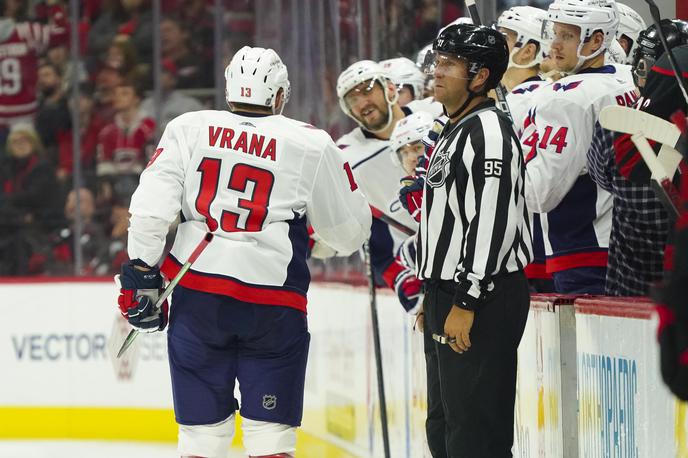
(630, 26)
(522, 26)
(408, 78)
(253, 178)
(616, 57)
(575, 212)
(369, 97)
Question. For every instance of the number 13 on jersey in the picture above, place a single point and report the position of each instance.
(256, 205)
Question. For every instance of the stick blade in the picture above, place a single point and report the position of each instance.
(631, 121)
(127, 342)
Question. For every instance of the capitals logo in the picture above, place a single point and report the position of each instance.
(566, 86)
(524, 90)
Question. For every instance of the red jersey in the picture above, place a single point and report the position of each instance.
(19, 53)
(121, 149)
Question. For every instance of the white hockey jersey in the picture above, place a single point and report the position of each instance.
(253, 181)
(520, 99)
(556, 136)
(376, 172)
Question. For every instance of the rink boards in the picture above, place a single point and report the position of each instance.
(588, 375)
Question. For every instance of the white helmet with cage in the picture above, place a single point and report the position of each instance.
(255, 76)
(360, 72)
(615, 54)
(590, 16)
(404, 72)
(546, 37)
(630, 25)
(527, 22)
(410, 129)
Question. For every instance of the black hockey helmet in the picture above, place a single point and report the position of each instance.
(650, 46)
(482, 47)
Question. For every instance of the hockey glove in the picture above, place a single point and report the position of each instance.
(139, 291)
(408, 288)
(411, 195)
(407, 253)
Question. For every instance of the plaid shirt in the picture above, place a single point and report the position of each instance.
(640, 225)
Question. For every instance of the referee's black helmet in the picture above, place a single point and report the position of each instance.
(481, 46)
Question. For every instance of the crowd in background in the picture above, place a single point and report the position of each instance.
(118, 129)
(116, 112)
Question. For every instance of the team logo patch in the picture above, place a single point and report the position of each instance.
(566, 87)
(530, 88)
(439, 168)
(269, 401)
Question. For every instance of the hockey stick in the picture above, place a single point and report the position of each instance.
(630, 121)
(377, 348)
(500, 90)
(662, 185)
(679, 119)
(377, 213)
(168, 290)
(654, 12)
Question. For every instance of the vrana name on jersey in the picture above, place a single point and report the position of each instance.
(222, 137)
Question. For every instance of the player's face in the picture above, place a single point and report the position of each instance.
(409, 154)
(368, 105)
(450, 73)
(564, 50)
(510, 36)
(405, 96)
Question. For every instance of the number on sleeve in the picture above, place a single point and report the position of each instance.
(350, 175)
(241, 176)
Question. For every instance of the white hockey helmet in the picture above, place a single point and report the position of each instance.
(527, 22)
(357, 73)
(403, 72)
(254, 76)
(590, 16)
(630, 25)
(615, 54)
(410, 129)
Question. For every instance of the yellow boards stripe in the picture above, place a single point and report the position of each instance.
(98, 423)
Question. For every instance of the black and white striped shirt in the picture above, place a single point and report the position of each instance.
(474, 222)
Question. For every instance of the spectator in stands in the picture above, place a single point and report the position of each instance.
(94, 243)
(429, 19)
(104, 29)
(106, 80)
(90, 123)
(119, 225)
(139, 28)
(18, 69)
(53, 118)
(194, 14)
(120, 151)
(121, 55)
(192, 70)
(173, 102)
(28, 209)
(58, 55)
(130, 18)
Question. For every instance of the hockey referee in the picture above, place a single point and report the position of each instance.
(473, 244)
